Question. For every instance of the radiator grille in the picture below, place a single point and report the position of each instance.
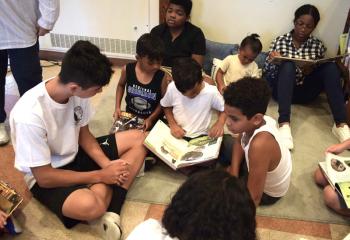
(108, 45)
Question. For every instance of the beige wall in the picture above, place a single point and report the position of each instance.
(114, 19)
(231, 20)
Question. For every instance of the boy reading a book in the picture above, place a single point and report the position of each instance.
(234, 67)
(268, 163)
(189, 101)
(331, 196)
(75, 175)
(143, 81)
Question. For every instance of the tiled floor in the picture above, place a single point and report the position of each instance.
(268, 228)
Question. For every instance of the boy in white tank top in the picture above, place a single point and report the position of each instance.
(268, 161)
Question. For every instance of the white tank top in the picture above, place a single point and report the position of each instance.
(277, 180)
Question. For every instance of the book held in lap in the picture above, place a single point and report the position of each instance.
(337, 171)
(179, 153)
(127, 121)
(300, 62)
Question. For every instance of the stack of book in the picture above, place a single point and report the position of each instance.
(9, 198)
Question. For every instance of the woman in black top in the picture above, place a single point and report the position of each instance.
(181, 38)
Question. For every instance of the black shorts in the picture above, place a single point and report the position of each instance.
(268, 200)
(53, 198)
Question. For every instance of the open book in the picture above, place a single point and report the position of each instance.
(337, 171)
(166, 69)
(9, 198)
(127, 121)
(306, 62)
(179, 153)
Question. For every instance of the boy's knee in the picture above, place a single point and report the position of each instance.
(319, 177)
(330, 197)
(92, 208)
(139, 137)
(95, 212)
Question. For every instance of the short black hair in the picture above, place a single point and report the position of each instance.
(186, 74)
(185, 4)
(86, 66)
(250, 95)
(211, 205)
(308, 9)
(151, 46)
(253, 42)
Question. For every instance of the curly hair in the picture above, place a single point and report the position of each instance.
(250, 95)
(86, 66)
(211, 205)
(186, 74)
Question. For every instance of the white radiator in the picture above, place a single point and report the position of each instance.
(110, 46)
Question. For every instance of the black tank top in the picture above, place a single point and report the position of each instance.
(142, 99)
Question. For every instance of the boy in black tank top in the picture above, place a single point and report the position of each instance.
(143, 81)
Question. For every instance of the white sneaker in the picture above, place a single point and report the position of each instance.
(4, 137)
(108, 226)
(342, 133)
(286, 136)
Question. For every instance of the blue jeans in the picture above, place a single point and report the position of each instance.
(325, 77)
(25, 67)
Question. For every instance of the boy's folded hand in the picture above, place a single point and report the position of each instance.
(117, 172)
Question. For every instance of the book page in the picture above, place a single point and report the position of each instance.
(9, 198)
(127, 121)
(166, 69)
(305, 62)
(338, 168)
(164, 145)
(201, 150)
(298, 61)
(330, 59)
(344, 188)
(179, 153)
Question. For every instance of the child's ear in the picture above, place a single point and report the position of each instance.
(258, 119)
(73, 87)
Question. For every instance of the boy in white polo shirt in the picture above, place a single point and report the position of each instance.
(189, 101)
